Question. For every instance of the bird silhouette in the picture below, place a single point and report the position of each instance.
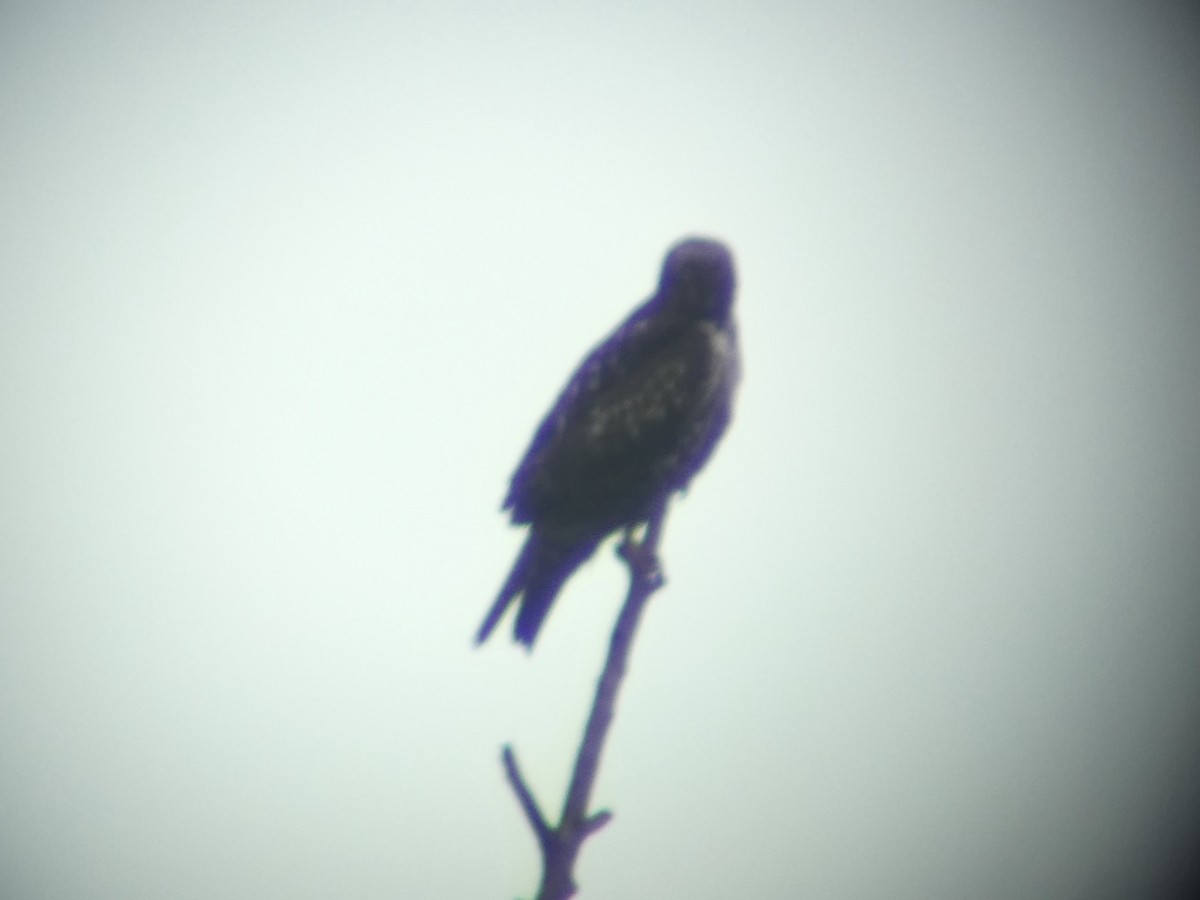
(636, 421)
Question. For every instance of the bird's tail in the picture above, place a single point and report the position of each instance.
(543, 565)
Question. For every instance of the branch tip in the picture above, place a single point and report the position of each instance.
(595, 822)
(541, 829)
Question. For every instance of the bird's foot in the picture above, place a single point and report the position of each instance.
(642, 559)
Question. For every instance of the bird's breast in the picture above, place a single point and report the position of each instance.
(726, 363)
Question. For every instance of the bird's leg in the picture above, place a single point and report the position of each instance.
(642, 555)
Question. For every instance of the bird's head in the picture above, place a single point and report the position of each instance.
(698, 280)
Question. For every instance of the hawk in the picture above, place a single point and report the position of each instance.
(634, 424)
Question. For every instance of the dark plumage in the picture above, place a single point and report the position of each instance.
(637, 420)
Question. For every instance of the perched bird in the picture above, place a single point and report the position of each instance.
(636, 421)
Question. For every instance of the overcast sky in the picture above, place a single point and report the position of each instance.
(284, 290)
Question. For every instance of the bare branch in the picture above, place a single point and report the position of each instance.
(561, 845)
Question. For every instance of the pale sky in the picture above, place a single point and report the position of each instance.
(284, 290)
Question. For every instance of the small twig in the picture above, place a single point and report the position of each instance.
(545, 835)
(560, 846)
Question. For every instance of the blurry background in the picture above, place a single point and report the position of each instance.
(284, 290)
